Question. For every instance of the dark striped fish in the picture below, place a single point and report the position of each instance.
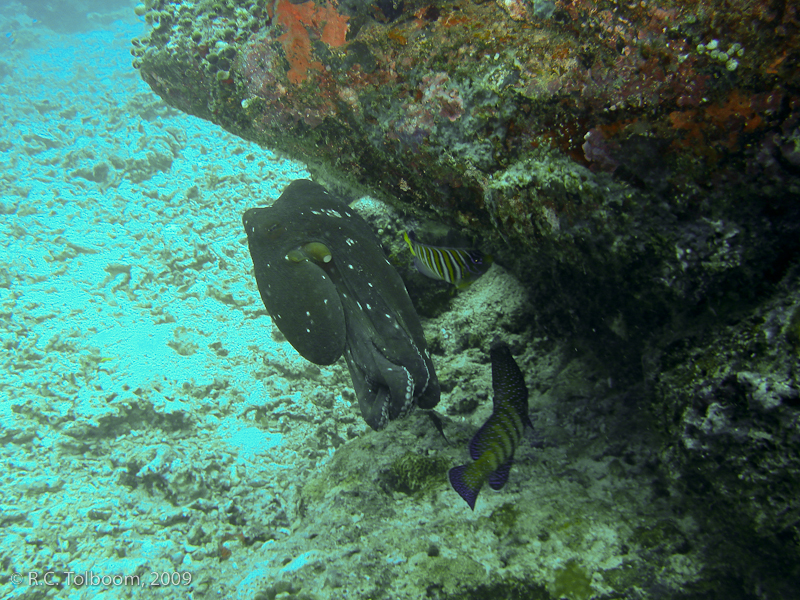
(459, 266)
(493, 446)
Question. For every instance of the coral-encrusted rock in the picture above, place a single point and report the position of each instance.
(646, 152)
(729, 399)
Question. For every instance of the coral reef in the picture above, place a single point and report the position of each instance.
(594, 143)
(633, 168)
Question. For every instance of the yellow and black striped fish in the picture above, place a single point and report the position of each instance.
(459, 266)
(493, 446)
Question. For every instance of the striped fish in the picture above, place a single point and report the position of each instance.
(459, 266)
(493, 446)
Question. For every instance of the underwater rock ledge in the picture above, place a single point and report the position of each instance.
(647, 154)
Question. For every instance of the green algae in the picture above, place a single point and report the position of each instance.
(572, 582)
(413, 473)
(504, 518)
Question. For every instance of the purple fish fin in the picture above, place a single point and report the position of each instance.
(466, 491)
(500, 476)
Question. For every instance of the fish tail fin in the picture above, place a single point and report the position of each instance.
(468, 491)
(409, 237)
